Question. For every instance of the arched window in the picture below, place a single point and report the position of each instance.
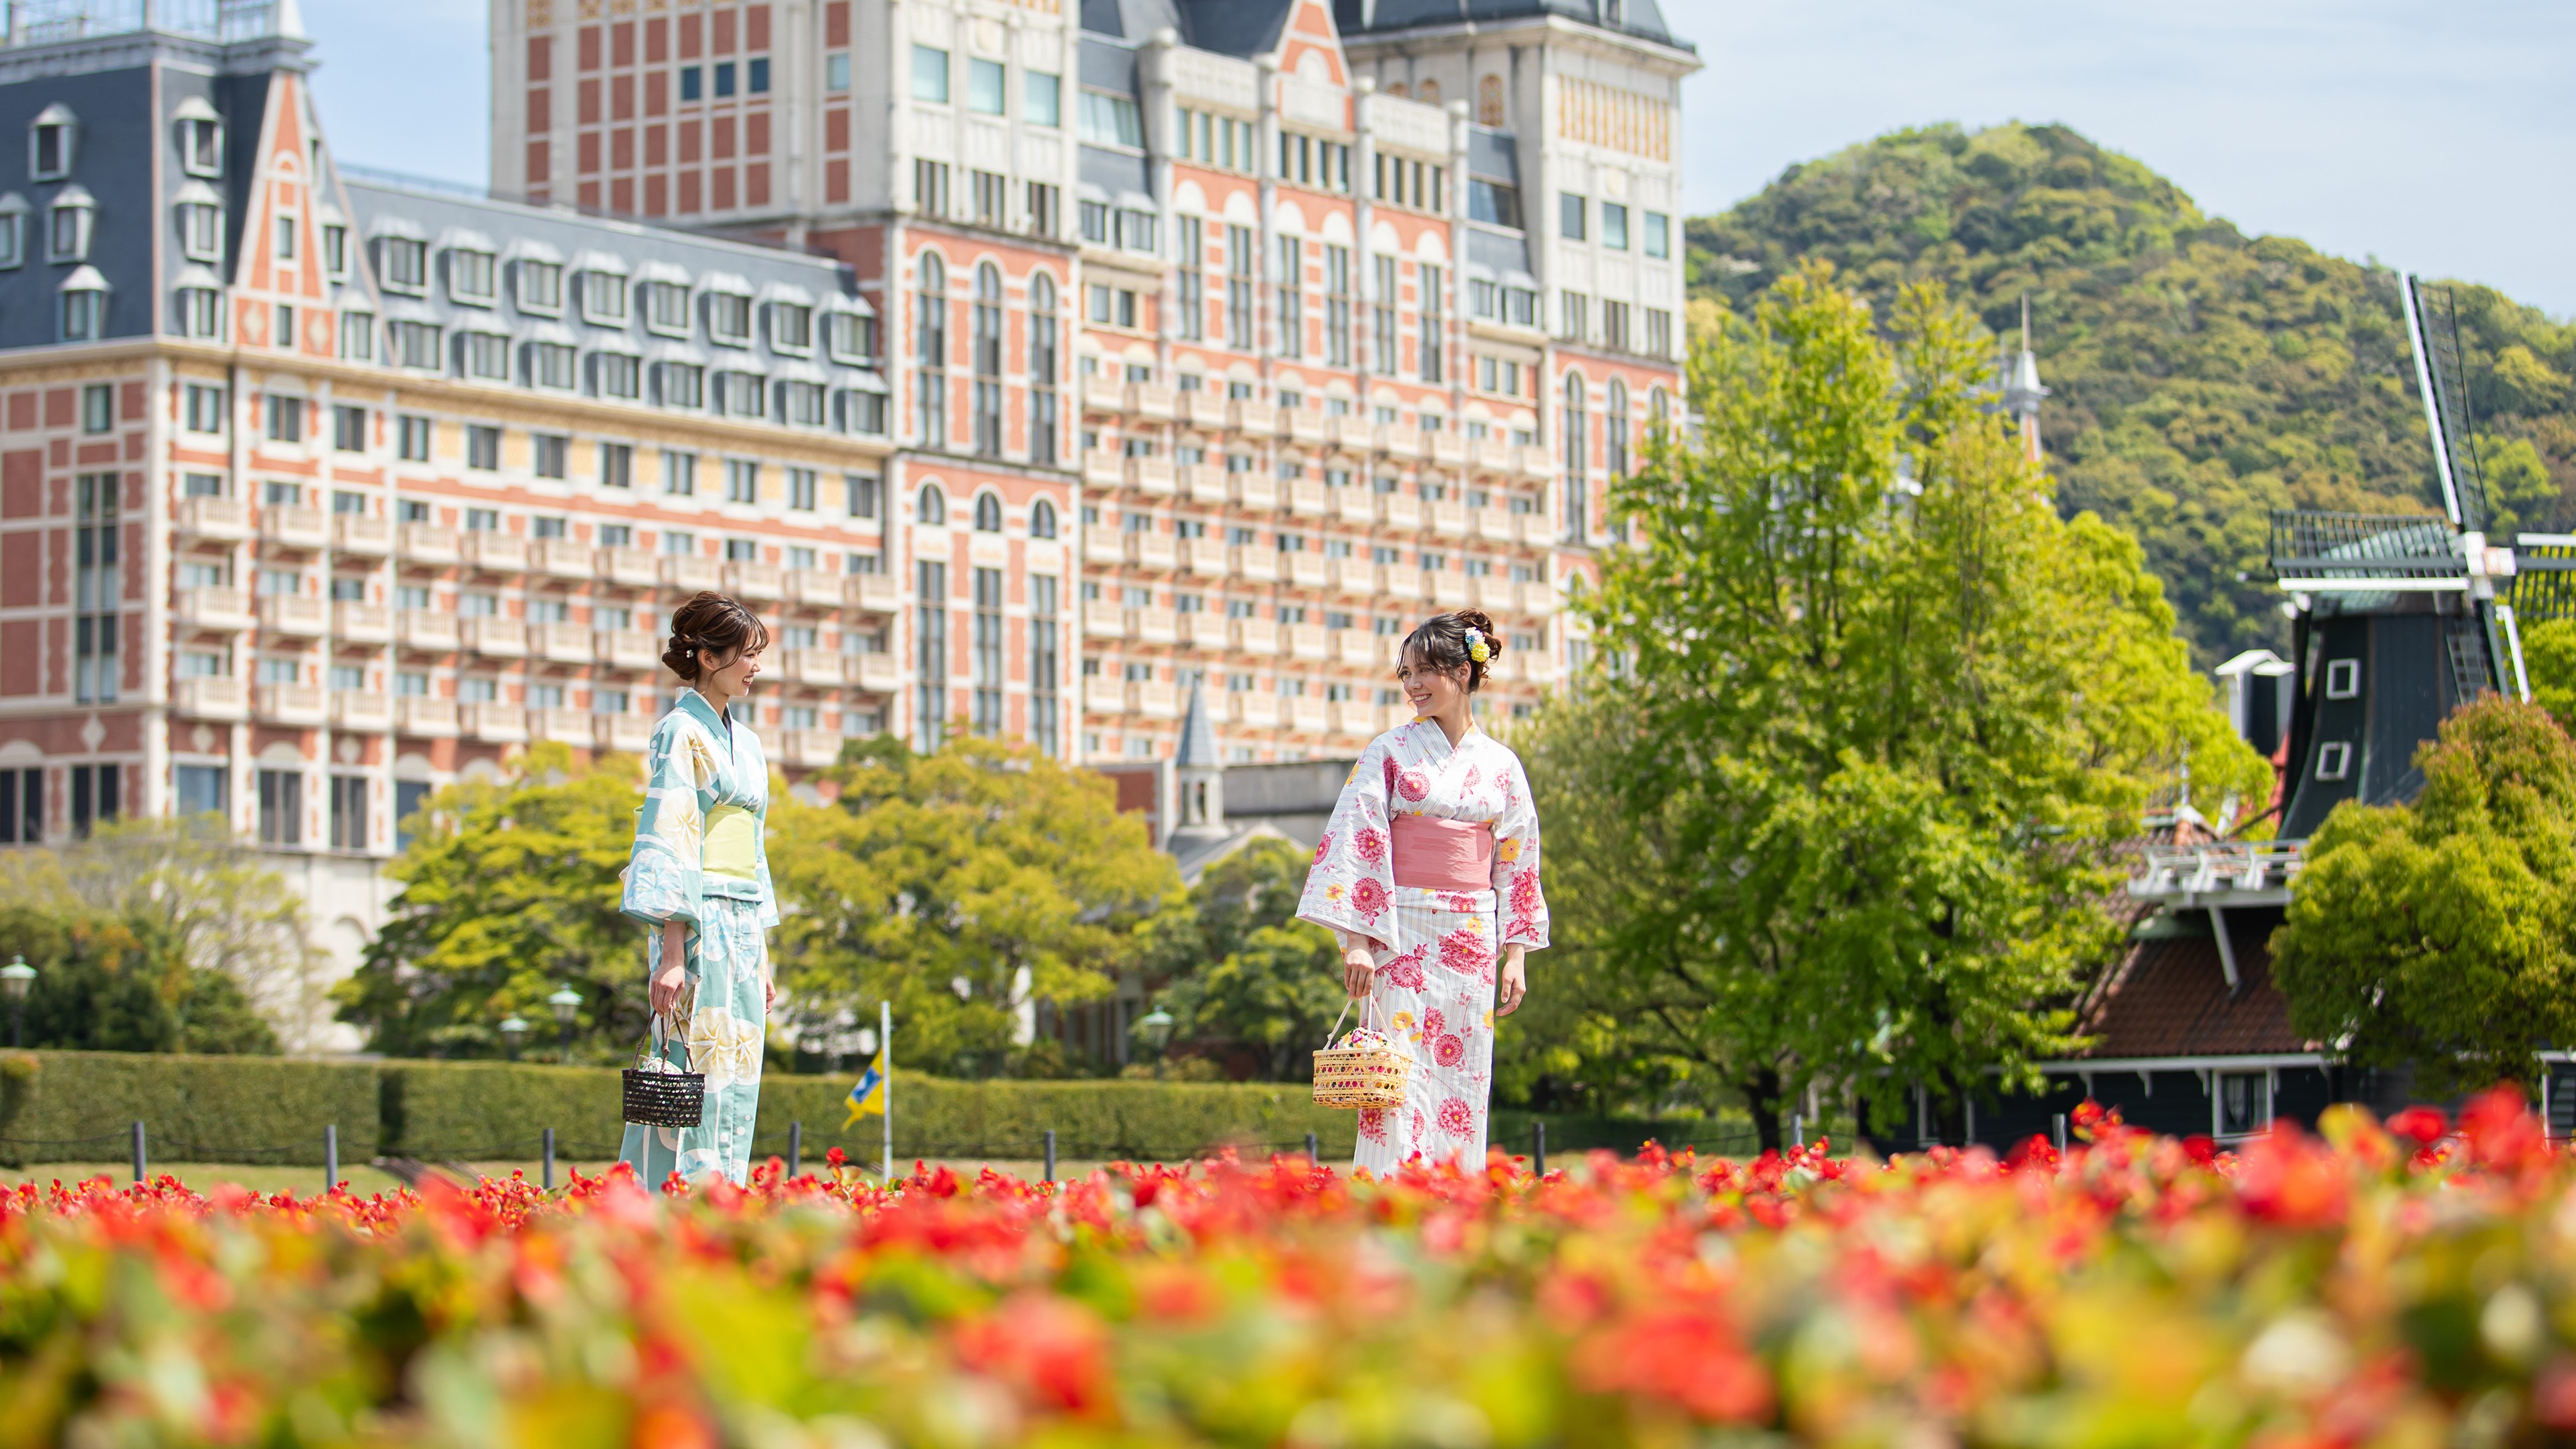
(1043, 366)
(1041, 519)
(988, 360)
(934, 504)
(1489, 101)
(930, 345)
(1659, 409)
(1578, 456)
(1614, 429)
(988, 513)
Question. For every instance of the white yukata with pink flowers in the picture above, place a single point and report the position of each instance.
(1437, 951)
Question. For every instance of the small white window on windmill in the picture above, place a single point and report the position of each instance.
(2334, 760)
(2343, 679)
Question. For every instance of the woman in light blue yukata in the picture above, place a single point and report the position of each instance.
(699, 880)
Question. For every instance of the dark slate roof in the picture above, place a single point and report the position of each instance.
(1640, 18)
(1240, 28)
(2170, 999)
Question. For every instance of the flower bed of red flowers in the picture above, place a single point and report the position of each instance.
(2413, 1284)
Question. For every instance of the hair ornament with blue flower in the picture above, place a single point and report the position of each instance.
(1477, 648)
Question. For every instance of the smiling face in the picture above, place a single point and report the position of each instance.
(725, 678)
(1433, 692)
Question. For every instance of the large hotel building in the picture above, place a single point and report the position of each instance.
(1027, 368)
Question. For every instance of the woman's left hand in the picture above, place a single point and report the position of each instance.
(768, 994)
(1515, 982)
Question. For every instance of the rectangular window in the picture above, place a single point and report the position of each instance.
(550, 364)
(1043, 102)
(1659, 332)
(1614, 324)
(684, 385)
(357, 336)
(992, 198)
(692, 83)
(541, 287)
(1431, 355)
(1570, 216)
(620, 375)
(801, 489)
(1045, 666)
(930, 187)
(987, 703)
(666, 307)
(1109, 120)
(929, 74)
(930, 634)
(603, 298)
(985, 87)
(1577, 320)
(1193, 256)
(471, 276)
(616, 465)
(1292, 296)
(1382, 350)
(413, 344)
(487, 356)
(742, 481)
(348, 812)
(1659, 234)
(281, 807)
(202, 790)
(722, 75)
(1240, 267)
(679, 473)
(551, 450)
(1614, 226)
(97, 792)
(285, 419)
(1337, 305)
(1045, 213)
(98, 589)
(482, 447)
(412, 436)
(729, 318)
(406, 264)
(859, 494)
(836, 72)
(755, 78)
(203, 408)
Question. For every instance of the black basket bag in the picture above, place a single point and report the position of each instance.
(659, 1094)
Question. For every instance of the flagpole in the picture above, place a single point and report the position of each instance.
(885, 1034)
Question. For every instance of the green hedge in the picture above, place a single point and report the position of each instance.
(76, 1106)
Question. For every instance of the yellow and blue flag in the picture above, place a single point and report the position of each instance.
(868, 1096)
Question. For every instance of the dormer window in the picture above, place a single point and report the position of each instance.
(666, 308)
(201, 138)
(84, 304)
(13, 230)
(603, 297)
(335, 251)
(472, 277)
(201, 223)
(541, 288)
(845, 335)
(49, 144)
(791, 327)
(729, 318)
(406, 264)
(69, 230)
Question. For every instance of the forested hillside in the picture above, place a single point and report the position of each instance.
(2202, 377)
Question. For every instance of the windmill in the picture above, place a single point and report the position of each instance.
(2401, 618)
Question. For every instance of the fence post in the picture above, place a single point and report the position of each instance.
(1538, 1147)
(795, 1147)
(2061, 1132)
(1313, 1157)
(1798, 1128)
(550, 1159)
(330, 1158)
(138, 1154)
(1050, 1154)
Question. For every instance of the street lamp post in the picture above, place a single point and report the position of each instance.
(15, 979)
(565, 1004)
(1157, 1027)
(512, 1032)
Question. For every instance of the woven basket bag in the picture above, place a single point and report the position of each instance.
(659, 1094)
(1366, 1070)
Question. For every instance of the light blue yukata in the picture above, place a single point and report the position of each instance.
(701, 857)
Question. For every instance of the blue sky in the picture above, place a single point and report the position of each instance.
(2437, 137)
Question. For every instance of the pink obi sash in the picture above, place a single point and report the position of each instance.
(1443, 855)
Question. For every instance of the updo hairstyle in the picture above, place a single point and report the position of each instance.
(1445, 644)
(713, 622)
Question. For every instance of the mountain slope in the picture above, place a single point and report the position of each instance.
(2202, 377)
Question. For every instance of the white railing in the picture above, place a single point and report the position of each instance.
(2220, 866)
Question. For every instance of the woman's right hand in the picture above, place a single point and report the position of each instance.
(673, 978)
(1358, 965)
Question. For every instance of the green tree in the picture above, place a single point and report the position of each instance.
(2202, 377)
(1245, 975)
(2443, 933)
(510, 891)
(159, 935)
(963, 886)
(1892, 723)
(2549, 656)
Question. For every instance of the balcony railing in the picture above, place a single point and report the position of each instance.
(495, 638)
(563, 726)
(1153, 551)
(1258, 492)
(215, 699)
(810, 749)
(426, 630)
(212, 608)
(427, 543)
(877, 673)
(561, 558)
(227, 519)
(496, 553)
(359, 534)
(356, 623)
(627, 734)
(755, 581)
(424, 717)
(562, 644)
(814, 589)
(810, 666)
(629, 568)
(291, 704)
(871, 593)
(1151, 476)
(290, 526)
(499, 724)
(360, 709)
(298, 614)
(627, 648)
(1255, 419)
(2244, 872)
(693, 574)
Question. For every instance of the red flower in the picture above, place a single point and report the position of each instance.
(1406, 970)
(1413, 784)
(2287, 1177)
(1368, 897)
(1688, 1357)
(1390, 774)
(1323, 847)
(1373, 1124)
(1416, 1126)
(1449, 1051)
(2423, 1126)
(1465, 951)
(1370, 844)
(1525, 900)
(1456, 1117)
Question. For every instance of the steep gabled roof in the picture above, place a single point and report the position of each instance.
(1643, 19)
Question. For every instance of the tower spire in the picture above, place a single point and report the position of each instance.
(2022, 390)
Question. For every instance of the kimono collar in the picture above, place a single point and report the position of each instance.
(695, 706)
(1438, 738)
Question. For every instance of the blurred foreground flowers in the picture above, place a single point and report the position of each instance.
(2412, 1285)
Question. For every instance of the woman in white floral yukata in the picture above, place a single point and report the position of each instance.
(1428, 874)
(699, 880)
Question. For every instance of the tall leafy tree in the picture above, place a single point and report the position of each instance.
(1893, 716)
(2443, 933)
(963, 886)
(1246, 976)
(510, 892)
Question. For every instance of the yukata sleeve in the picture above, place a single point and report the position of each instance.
(662, 874)
(1516, 858)
(768, 891)
(1350, 889)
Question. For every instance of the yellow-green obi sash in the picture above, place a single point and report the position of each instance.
(732, 849)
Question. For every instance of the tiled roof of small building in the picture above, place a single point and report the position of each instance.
(2170, 999)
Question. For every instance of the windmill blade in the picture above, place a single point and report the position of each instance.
(2433, 326)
